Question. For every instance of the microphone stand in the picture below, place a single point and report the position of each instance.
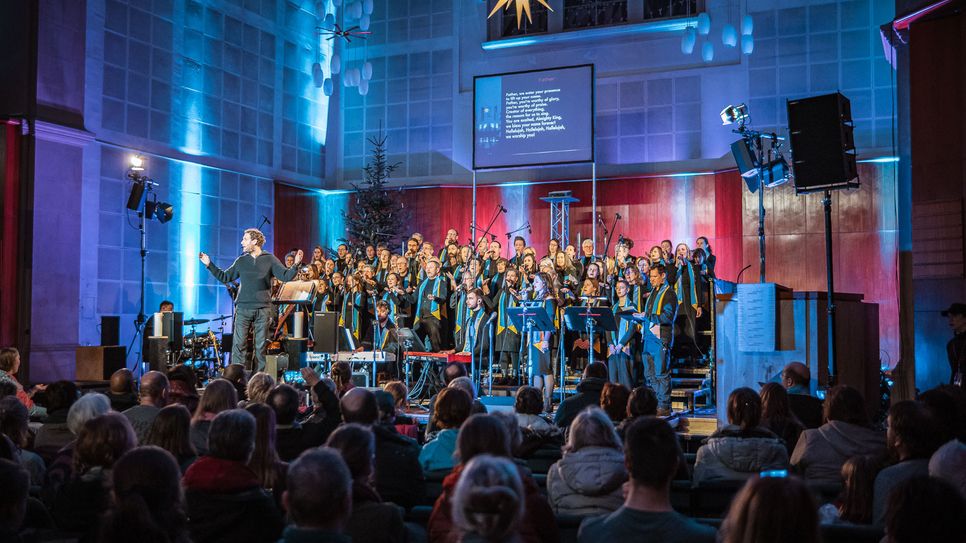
(609, 236)
(476, 248)
(509, 234)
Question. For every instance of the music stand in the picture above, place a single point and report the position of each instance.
(530, 318)
(590, 319)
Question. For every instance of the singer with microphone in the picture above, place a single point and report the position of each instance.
(255, 269)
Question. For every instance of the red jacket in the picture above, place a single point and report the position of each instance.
(537, 526)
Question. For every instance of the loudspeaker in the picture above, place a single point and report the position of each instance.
(172, 327)
(296, 348)
(110, 329)
(325, 329)
(823, 149)
(275, 364)
(156, 353)
(360, 378)
(98, 363)
(747, 164)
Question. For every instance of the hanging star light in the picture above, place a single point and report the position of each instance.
(523, 6)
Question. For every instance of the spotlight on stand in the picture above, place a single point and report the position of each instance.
(734, 114)
(137, 163)
(162, 211)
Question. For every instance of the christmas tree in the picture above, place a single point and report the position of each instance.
(377, 214)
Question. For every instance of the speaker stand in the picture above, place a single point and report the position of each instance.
(830, 295)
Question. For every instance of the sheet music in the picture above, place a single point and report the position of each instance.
(757, 309)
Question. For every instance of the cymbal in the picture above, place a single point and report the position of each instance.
(193, 322)
(221, 318)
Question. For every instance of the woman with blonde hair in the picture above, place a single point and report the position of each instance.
(219, 396)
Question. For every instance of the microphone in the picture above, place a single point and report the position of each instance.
(502, 209)
(492, 318)
(266, 219)
(618, 216)
(529, 231)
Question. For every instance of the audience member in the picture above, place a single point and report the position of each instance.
(948, 404)
(925, 509)
(259, 387)
(284, 399)
(171, 430)
(641, 403)
(796, 378)
(854, 505)
(399, 477)
(454, 372)
(54, 434)
(913, 436)
(485, 434)
(452, 408)
(535, 429)
(80, 500)
(326, 414)
(15, 424)
(61, 468)
(613, 400)
(588, 479)
(742, 448)
(588, 393)
(154, 396)
(183, 387)
(147, 502)
(15, 482)
(488, 502)
(820, 453)
(776, 415)
(400, 395)
(9, 367)
(949, 463)
(235, 374)
(225, 499)
(218, 396)
(121, 390)
(372, 521)
(341, 373)
(268, 468)
(651, 455)
(7, 388)
(319, 498)
(771, 509)
(466, 384)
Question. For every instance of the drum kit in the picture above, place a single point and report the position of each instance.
(202, 350)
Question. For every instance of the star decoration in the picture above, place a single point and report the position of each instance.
(523, 6)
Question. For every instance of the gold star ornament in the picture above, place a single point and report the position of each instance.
(523, 6)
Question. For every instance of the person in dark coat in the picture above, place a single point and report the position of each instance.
(318, 500)
(226, 502)
(588, 393)
(807, 408)
(399, 478)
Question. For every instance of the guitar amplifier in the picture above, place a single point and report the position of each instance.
(99, 363)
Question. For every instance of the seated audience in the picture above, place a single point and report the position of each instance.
(613, 400)
(588, 480)
(15, 424)
(536, 431)
(54, 434)
(854, 505)
(777, 416)
(147, 502)
(372, 521)
(259, 387)
(488, 503)
(641, 403)
(796, 378)
(820, 453)
(925, 509)
(455, 372)
(235, 374)
(225, 500)
(219, 396)
(588, 393)
(948, 404)
(121, 390)
(79, 501)
(326, 414)
(61, 468)
(183, 387)
(651, 455)
(341, 373)
(949, 463)
(399, 477)
(289, 441)
(466, 384)
(400, 395)
(319, 498)
(154, 396)
(9, 367)
(452, 408)
(268, 468)
(15, 482)
(913, 436)
(771, 509)
(742, 448)
(485, 434)
(171, 430)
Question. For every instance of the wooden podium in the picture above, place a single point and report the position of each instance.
(800, 335)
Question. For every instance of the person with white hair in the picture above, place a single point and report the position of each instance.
(949, 464)
(61, 469)
(488, 503)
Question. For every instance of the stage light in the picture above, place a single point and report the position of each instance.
(775, 173)
(137, 163)
(162, 211)
(732, 114)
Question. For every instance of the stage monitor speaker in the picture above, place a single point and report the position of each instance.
(99, 363)
(110, 330)
(156, 353)
(325, 329)
(823, 150)
(360, 378)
